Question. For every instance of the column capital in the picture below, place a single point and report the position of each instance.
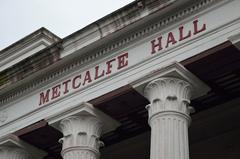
(82, 131)
(82, 109)
(82, 125)
(81, 135)
(173, 70)
(168, 95)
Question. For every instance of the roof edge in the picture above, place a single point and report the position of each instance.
(41, 30)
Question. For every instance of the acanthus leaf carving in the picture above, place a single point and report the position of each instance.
(168, 94)
(81, 134)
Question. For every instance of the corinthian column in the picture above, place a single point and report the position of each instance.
(169, 117)
(81, 137)
(7, 152)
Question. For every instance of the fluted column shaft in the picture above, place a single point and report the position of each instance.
(169, 117)
(7, 152)
(81, 137)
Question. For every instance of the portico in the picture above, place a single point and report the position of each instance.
(159, 81)
(169, 92)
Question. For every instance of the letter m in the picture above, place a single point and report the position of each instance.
(44, 98)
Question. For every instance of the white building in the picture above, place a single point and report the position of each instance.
(157, 79)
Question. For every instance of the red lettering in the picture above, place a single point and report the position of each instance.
(74, 85)
(96, 73)
(181, 36)
(44, 98)
(109, 66)
(56, 91)
(196, 28)
(157, 45)
(65, 84)
(122, 61)
(170, 39)
(87, 78)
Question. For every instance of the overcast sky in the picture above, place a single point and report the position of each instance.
(19, 18)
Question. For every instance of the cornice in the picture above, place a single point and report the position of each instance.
(144, 32)
(168, 20)
(42, 32)
(30, 65)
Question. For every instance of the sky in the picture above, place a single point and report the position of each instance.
(19, 18)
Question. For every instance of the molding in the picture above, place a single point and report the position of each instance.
(235, 40)
(147, 31)
(23, 54)
(13, 76)
(174, 70)
(41, 33)
(114, 22)
(3, 117)
(109, 124)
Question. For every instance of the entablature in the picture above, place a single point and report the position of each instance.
(126, 62)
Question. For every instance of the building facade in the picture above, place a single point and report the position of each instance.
(156, 79)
